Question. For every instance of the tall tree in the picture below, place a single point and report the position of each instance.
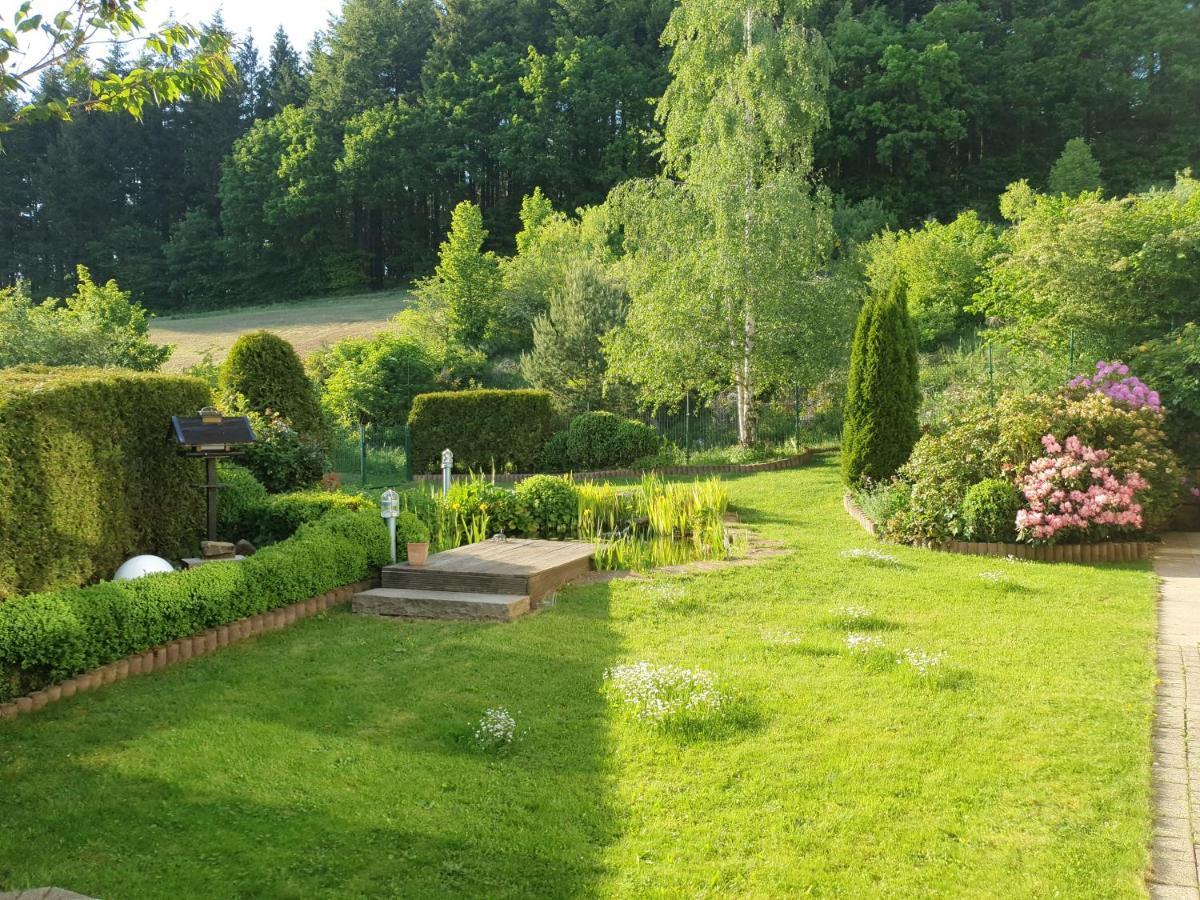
(883, 395)
(731, 248)
(284, 82)
(1075, 171)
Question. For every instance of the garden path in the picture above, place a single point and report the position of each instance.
(1174, 871)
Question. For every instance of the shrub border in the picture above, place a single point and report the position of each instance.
(775, 465)
(183, 649)
(1104, 551)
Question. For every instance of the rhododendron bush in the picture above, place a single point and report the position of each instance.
(1090, 461)
(1071, 493)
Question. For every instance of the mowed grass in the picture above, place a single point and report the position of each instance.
(308, 324)
(335, 759)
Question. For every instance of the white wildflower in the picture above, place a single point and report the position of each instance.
(995, 577)
(871, 555)
(923, 663)
(781, 637)
(856, 612)
(496, 729)
(863, 643)
(659, 693)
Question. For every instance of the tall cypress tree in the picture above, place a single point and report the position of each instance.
(883, 396)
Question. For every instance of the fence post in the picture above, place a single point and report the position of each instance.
(687, 427)
(407, 456)
(362, 452)
(797, 405)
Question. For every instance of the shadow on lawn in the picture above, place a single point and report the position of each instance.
(330, 760)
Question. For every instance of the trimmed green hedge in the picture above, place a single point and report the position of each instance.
(88, 476)
(506, 430)
(46, 638)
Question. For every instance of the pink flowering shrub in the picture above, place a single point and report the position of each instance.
(1071, 493)
(1112, 379)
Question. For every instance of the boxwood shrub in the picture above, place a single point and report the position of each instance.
(506, 430)
(88, 476)
(49, 637)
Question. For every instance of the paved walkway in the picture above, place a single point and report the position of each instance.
(1174, 869)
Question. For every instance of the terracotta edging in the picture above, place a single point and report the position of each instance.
(1105, 551)
(181, 649)
(774, 465)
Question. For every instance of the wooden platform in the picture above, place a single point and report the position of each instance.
(491, 580)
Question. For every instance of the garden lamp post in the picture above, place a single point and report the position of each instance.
(389, 508)
(447, 465)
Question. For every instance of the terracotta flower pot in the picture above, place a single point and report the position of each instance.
(418, 553)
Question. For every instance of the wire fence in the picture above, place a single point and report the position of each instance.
(376, 456)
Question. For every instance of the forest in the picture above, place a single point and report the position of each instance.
(338, 167)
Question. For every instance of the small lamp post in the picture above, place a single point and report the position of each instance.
(447, 465)
(389, 508)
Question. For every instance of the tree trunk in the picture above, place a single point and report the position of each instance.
(745, 374)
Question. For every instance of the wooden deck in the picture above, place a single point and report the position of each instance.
(518, 573)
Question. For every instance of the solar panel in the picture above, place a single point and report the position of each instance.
(211, 431)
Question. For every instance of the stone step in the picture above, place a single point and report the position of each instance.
(415, 603)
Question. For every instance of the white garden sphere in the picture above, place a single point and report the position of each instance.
(137, 566)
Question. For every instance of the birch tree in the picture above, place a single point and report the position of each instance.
(725, 251)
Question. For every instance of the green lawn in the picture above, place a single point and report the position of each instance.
(334, 759)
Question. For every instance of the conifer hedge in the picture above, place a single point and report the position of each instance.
(883, 395)
(88, 476)
(506, 430)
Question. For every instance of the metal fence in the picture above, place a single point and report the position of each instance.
(696, 427)
(372, 455)
(376, 456)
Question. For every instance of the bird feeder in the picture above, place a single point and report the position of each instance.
(211, 436)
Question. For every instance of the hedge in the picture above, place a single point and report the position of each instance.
(489, 429)
(266, 372)
(88, 476)
(49, 637)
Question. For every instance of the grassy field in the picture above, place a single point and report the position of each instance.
(335, 759)
(308, 324)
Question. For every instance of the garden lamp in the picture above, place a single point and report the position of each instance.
(389, 508)
(447, 465)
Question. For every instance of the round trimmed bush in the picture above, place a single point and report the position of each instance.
(550, 505)
(636, 440)
(556, 457)
(410, 529)
(240, 503)
(601, 440)
(989, 511)
(264, 374)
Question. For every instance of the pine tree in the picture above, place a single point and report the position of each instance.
(567, 357)
(1075, 170)
(882, 398)
(284, 82)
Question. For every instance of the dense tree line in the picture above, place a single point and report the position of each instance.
(339, 168)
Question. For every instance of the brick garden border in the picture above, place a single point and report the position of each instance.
(775, 465)
(183, 649)
(1107, 551)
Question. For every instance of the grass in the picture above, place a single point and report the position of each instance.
(336, 759)
(308, 324)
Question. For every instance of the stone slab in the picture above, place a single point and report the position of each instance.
(411, 603)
